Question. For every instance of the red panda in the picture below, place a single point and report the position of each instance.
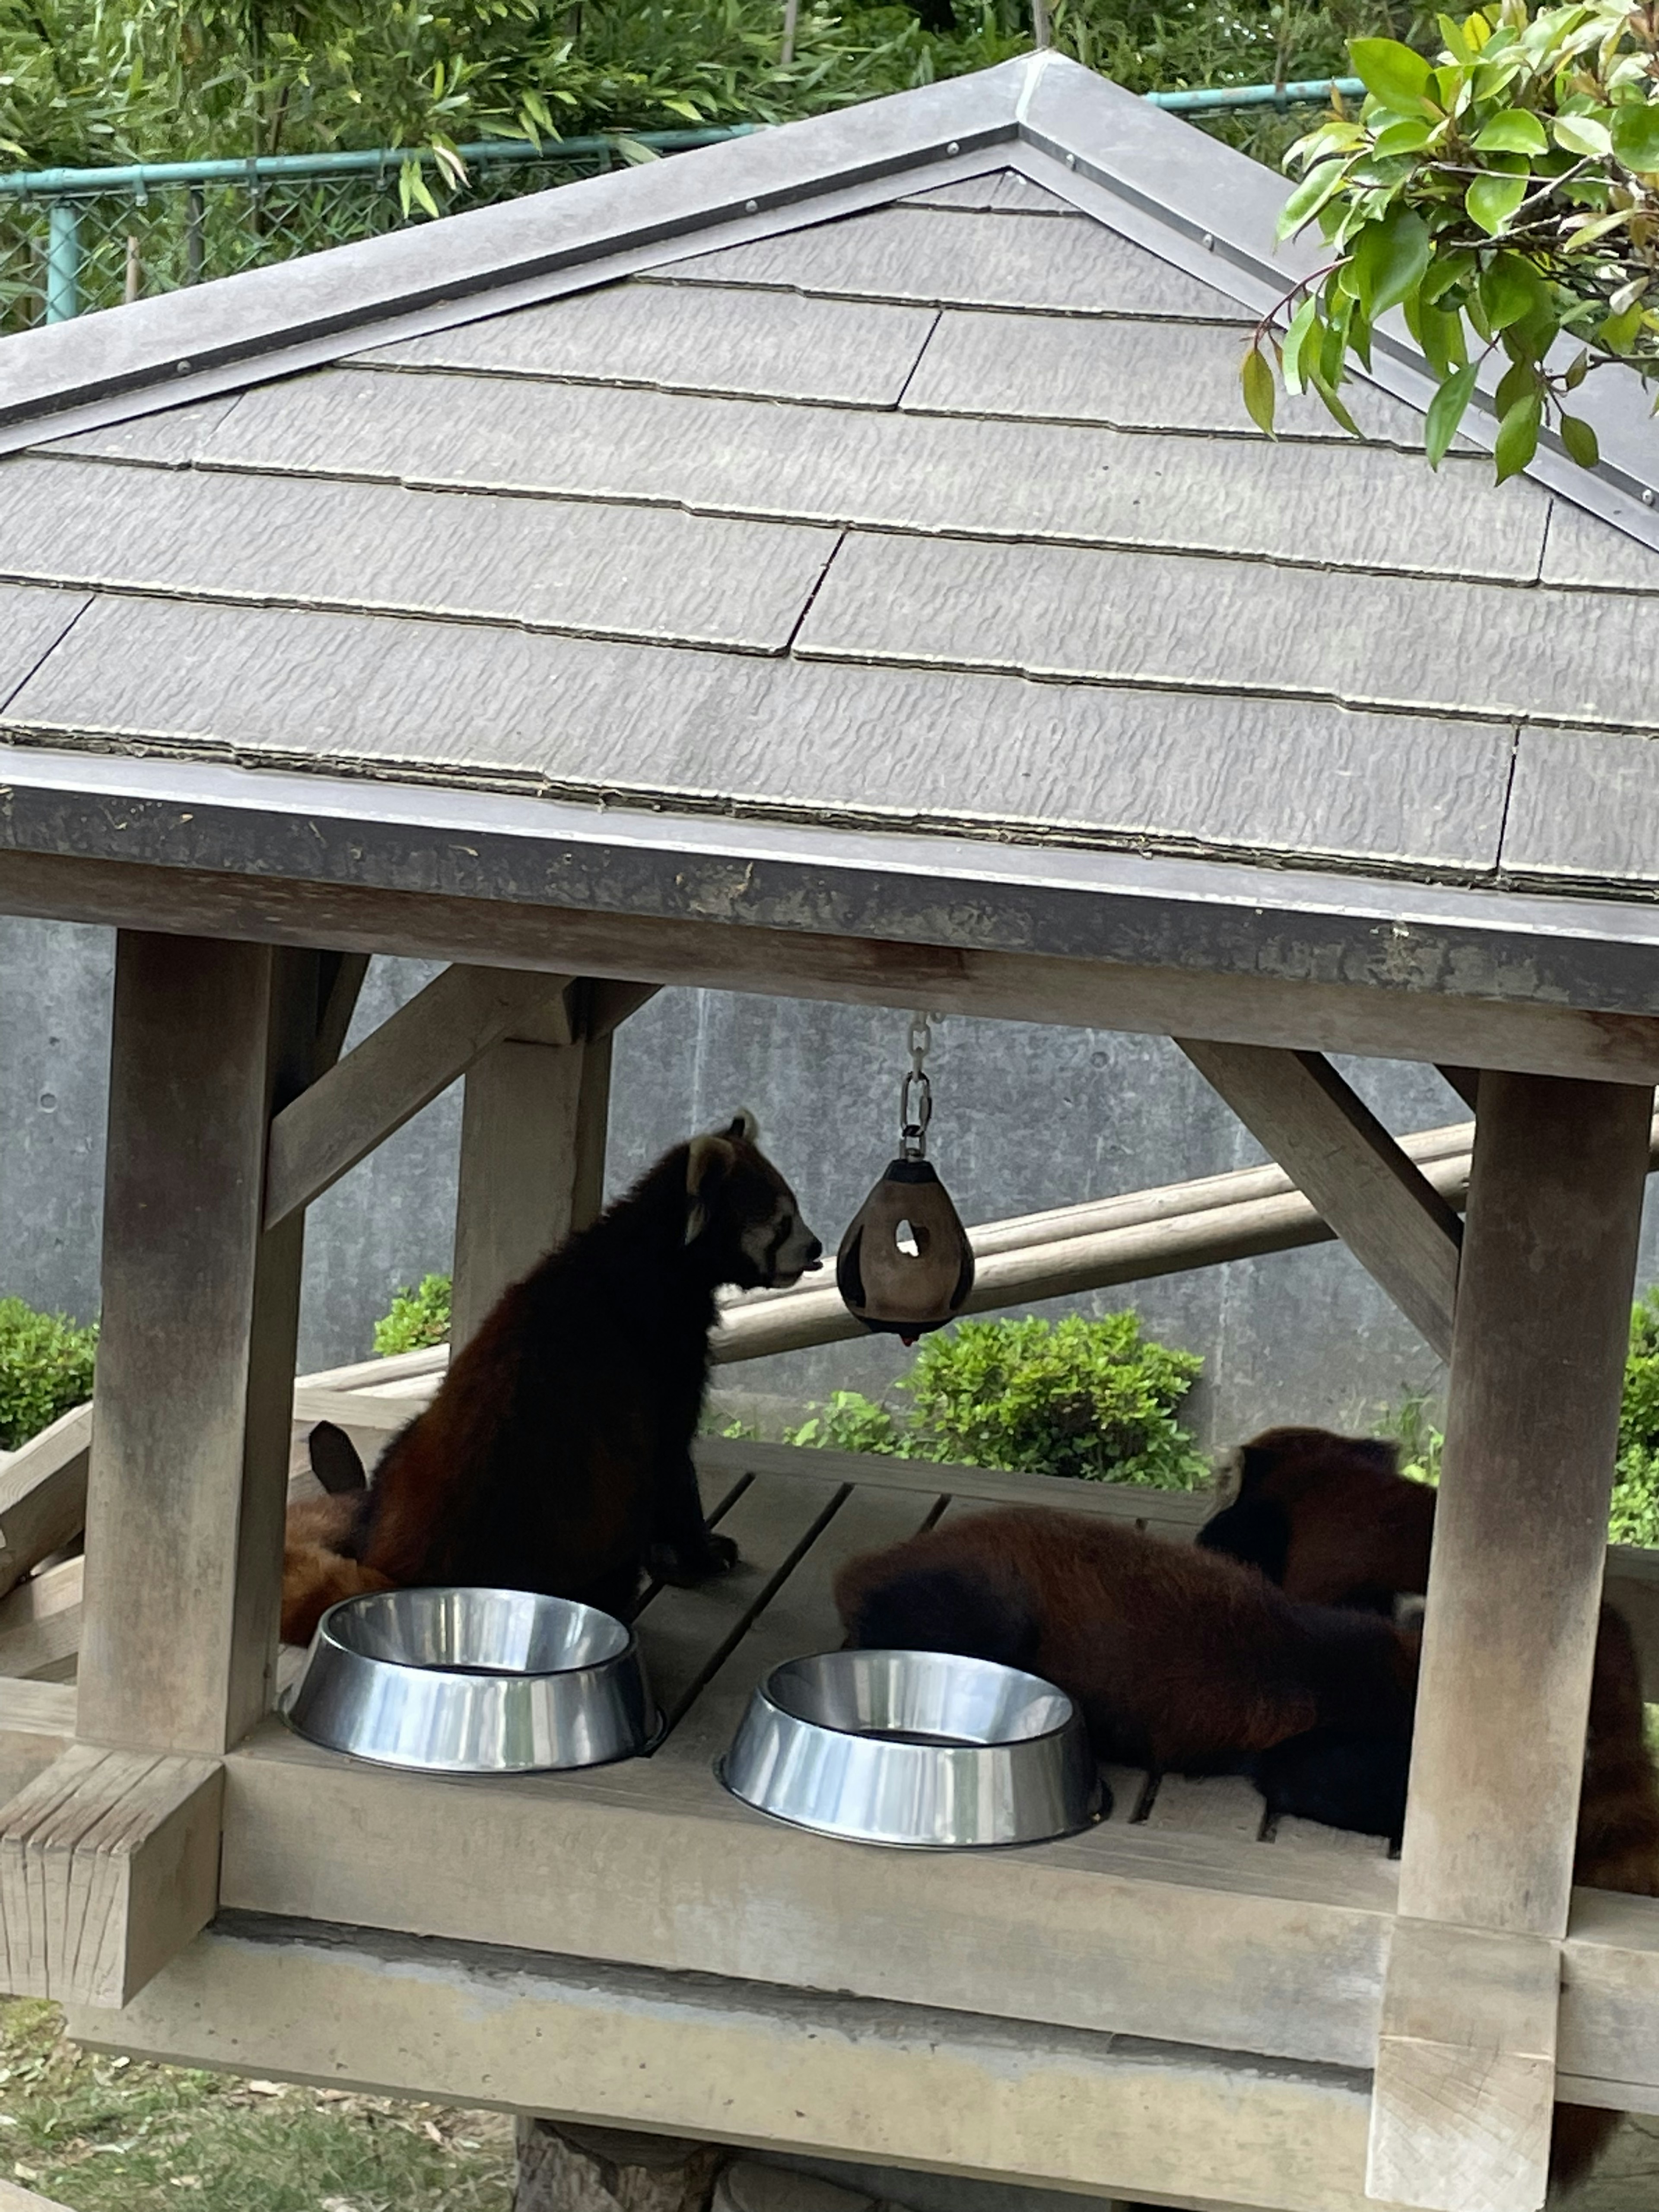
(557, 1456)
(1175, 1658)
(1330, 1518)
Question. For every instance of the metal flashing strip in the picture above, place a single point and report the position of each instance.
(1513, 946)
(268, 322)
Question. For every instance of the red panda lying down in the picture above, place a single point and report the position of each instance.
(1176, 1658)
(1331, 1518)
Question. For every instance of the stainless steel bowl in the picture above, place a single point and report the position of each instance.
(473, 1681)
(914, 1747)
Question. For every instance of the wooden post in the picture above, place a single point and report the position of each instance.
(189, 1464)
(532, 1161)
(1465, 2075)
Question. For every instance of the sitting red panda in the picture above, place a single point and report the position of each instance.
(557, 1456)
(1331, 1520)
(1174, 1658)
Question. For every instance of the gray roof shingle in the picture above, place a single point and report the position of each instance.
(943, 512)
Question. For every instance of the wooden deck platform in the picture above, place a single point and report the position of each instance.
(631, 1942)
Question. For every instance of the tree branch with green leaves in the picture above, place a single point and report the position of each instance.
(1505, 198)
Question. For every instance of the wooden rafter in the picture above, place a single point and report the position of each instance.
(398, 1069)
(1379, 1202)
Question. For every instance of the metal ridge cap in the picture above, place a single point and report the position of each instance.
(154, 344)
(209, 815)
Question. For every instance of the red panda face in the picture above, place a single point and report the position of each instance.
(742, 1218)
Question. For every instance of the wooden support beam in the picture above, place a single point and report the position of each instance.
(43, 1495)
(533, 1128)
(41, 1625)
(1325, 1137)
(745, 2063)
(1515, 1589)
(398, 1069)
(109, 1864)
(340, 987)
(191, 1429)
(724, 956)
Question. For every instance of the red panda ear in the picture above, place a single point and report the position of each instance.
(709, 1161)
(744, 1127)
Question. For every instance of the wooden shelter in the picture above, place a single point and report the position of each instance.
(832, 565)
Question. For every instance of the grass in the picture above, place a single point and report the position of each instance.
(113, 2135)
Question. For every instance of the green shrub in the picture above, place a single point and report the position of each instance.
(1091, 1398)
(417, 1318)
(1634, 1515)
(45, 1367)
(852, 1422)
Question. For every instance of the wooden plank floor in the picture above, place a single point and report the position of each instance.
(796, 1515)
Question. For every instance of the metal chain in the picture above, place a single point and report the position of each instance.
(916, 1094)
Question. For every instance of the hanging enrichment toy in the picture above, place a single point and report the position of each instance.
(905, 1265)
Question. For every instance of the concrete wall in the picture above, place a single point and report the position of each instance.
(1024, 1118)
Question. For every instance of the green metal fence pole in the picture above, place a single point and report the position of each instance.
(63, 261)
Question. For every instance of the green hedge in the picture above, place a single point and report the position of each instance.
(45, 1367)
(1092, 1399)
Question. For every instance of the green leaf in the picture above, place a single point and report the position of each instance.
(1580, 441)
(1259, 391)
(1311, 195)
(1409, 136)
(1618, 333)
(1518, 436)
(1636, 135)
(1511, 289)
(1388, 260)
(1582, 134)
(1492, 201)
(1289, 359)
(1398, 77)
(1328, 393)
(1446, 412)
(1517, 132)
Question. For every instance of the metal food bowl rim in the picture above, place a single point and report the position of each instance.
(1072, 1717)
(629, 1648)
(1092, 1815)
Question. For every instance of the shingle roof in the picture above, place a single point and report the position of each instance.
(923, 501)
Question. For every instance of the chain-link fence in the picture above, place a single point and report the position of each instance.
(72, 241)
